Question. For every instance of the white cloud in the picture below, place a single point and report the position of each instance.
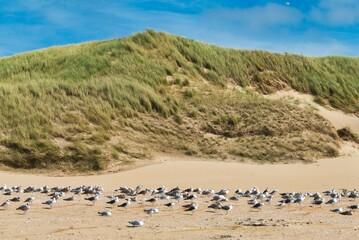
(336, 12)
(260, 16)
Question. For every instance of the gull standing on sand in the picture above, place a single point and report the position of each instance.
(114, 201)
(319, 201)
(126, 204)
(348, 213)
(15, 199)
(151, 211)
(93, 199)
(216, 206)
(5, 204)
(258, 205)
(337, 210)
(105, 213)
(192, 208)
(170, 205)
(30, 199)
(356, 206)
(224, 191)
(50, 202)
(332, 201)
(72, 198)
(227, 208)
(24, 208)
(137, 223)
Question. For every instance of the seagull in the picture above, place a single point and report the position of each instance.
(235, 198)
(15, 199)
(24, 208)
(192, 209)
(227, 208)
(73, 198)
(354, 206)
(319, 201)
(136, 223)
(258, 205)
(208, 192)
(125, 204)
(337, 210)
(219, 198)
(299, 199)
(113, 201)
(50, 202)
(151, 211)
(350, 212)
(30, 199)
(105, 213)
(224, 191)
(152, 200)
(191, 197)
(216, 206)
(5, 204)
(93, 199)
(164, 197)
(170, 205)
(331, 201)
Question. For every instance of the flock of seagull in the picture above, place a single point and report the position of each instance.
(219, 201)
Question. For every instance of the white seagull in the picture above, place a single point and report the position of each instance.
(6, 203)
(30, 199)
(105, 213)
(24, 208)
(137, 223)
(50, 202)
(151, 211)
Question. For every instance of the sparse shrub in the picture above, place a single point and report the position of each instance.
(193, 113)
(348, 135)
(177, 81)
(189, 93)
(185, 83)
(178, 118)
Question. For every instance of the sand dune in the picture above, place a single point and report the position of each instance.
(80, 221)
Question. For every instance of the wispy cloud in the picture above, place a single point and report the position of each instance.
(259, 17)
(336, 12)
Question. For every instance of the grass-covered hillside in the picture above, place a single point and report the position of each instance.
(97, 105)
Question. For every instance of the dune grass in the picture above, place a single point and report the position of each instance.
(86, 106)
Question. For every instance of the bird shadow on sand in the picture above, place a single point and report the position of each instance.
(215, 213)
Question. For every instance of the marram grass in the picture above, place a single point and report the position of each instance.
(88, 106)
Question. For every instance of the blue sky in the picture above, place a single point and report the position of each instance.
(309, 27)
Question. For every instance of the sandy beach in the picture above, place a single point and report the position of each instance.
(79, 220)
